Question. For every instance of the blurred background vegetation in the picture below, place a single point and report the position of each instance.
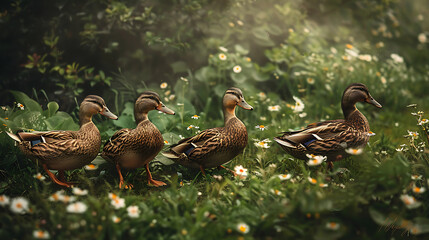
(54, 53)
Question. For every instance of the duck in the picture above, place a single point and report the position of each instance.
(332, 138)
(215, 146)
(134, 148)
(66, 150)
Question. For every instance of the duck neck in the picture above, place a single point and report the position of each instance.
(348, 109)
(228, 113)
(84, 118)
(140, 117)
(355, 118)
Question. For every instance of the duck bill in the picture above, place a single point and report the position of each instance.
(165, 109)
(372, 101)
(107, 113)
(245, 105)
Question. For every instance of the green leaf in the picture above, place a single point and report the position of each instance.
(29, 104)
(52, 109)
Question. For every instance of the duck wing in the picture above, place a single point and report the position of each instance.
(326, 131)
(116, 142)
(206, 141)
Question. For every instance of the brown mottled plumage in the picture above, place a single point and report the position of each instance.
(134, 148)
(331, 138)
(66, 150)
(216, 146)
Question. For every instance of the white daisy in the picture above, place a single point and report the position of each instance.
(240, 171)
(299, 105)
(261, 127)
(91, 167)
(39, 176)
(40, 234)
(163, 85)
(133, 211)
(243, 228)
(222, 56)
(370, 134)
(20, 106)
(396, 58)
(113, 196)
(419, 190)
(191, 127)
(77, 207)
(332, 225)
(116, 219)
(195, 116)
(285, 176)
(79, 192)
(19, 205)
(4, 200)
(315, 160)
(275, 108)
(422, 38)
(354, 151)
(237, 69)
(423, 121)
(312, 180)
(118, 202)
(409, 201)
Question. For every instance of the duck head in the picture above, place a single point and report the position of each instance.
(148, 101)
(91, 105)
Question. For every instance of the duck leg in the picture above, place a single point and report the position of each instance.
(202, 171)
(62, 177)
(121, 179)
(53, 178)
(150, 180)
(221, 166)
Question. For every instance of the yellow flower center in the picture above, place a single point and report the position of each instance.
(315, 161)
(1, 199)
(114, 196)
(117, 220)
(332, 224)
(284, 175)
(313, 180)
(55, 196)
(349, 46)
(40, 234)
(261, 126)
(18, 205)
(165, 142)
(91, 166)
(261, 143)
(416, 189)
(242, 228)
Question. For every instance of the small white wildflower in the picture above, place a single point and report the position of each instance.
(275, 108)
(79, 192)
(285, 176)
(77, 207)
(40, 234)
(299, 105)
(332, 226)
(276, 192)
(133, 211)
(116, 219)
(222, 56)
(163, 85)
(409, 201)
(20, 106)
(396, 58)
(19, 205)
(240, 171)
(118, 202)
(91, 167)
(4, 200)
(223, 49)
(370, 134)
(243, 228)
(312, 180)
(315, 160)
(419, 190)
(191, 127)
(237, 69)
(422, 38)
(195, 116)
(39, 177)
(423, 121)
(261, 127)
(354, 151)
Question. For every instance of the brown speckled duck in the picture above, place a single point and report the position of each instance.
(66, 150)
(134, 148)
(331, 138)
(216, 146)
